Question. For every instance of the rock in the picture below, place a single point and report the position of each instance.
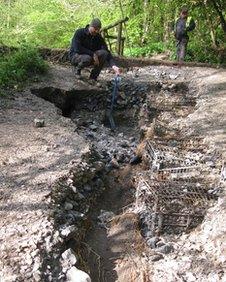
(93, 127)
(166, 249)
(105, 217)
(74, 189)
(122, 95)
(37, 276)
(90, 135)
(191, 278)
(164, 86)
(29, 260)
(171, 86)
(172, 76)
(68, 231)
(24, 245)
(121, 103)
(114, 163)
(147, 233)
(68, 206)
(70, 181)
(76, 275)
(108, 167)
(69, 257)
(124, 144)
(23, 269)
(87, 188)
(223, 173)
(80, 196)
(34, 253)
(152, 242)
(121, 158)
(36, 266)
(156, 257)
(77, 215)
(143, 130)
(99, 182)
(160, 244)
(210, 164)
(39, 122)
(135, 160)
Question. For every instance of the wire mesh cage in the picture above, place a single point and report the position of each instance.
(176, 188)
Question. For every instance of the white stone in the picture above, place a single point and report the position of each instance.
(39, 122)
(37, 276)
(68, 231)
(76, 275)
(69, 257)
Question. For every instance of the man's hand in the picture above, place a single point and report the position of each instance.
(116, 70)
(96, 60)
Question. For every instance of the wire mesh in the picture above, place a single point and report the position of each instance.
(177, 187)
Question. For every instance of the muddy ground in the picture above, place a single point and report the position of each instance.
(57, 180)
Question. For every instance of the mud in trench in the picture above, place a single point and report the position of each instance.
(159, 178)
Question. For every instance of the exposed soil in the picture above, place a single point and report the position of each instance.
(48, 183)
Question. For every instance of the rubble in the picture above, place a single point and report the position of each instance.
(177, 178)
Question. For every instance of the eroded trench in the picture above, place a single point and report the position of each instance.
(157, 178)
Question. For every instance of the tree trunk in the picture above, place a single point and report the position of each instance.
(219, 11)
(8, 16)
(145, 21)
(166, 22)
(211, 27)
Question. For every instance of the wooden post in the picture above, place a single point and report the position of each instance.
(115, 24)
(122, 48)
(119, 39)
(109, 42)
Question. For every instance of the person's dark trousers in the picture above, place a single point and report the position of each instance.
(181, 49)
(82, 60)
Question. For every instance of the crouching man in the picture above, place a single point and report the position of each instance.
(89, 48)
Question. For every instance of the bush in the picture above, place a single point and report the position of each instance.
(146, 51)
(203, 54)
(197, 52)
(19, 65)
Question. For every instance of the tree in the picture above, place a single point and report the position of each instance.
(220, 7)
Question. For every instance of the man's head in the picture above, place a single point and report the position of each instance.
(95, 26)
(184, 12)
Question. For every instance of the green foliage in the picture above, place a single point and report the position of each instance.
(203, 54)
(20, 65)
(198, 53)
(50, 23)
(151, 49)
(149, 30)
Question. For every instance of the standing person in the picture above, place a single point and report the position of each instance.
(89, 48)
(184, 24)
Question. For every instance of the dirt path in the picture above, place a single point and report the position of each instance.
(31, 160)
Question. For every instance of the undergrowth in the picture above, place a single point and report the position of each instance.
(195, 52)
(20, 65)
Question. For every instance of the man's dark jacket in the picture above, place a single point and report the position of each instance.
(182, 27)
(85, 43)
